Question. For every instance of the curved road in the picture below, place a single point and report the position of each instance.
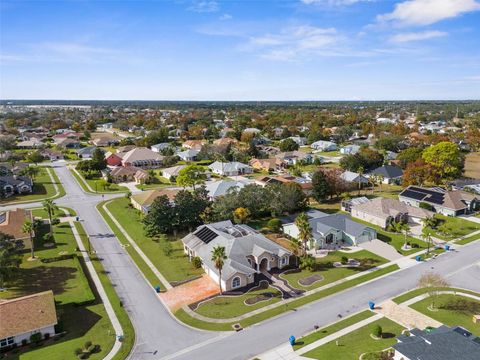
(160, 336)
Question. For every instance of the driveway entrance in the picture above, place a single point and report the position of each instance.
(381, 248)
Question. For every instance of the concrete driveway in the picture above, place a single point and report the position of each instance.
(381, 248)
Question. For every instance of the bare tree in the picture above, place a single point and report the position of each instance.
(433, 283)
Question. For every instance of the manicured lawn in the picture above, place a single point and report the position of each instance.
(42, 188)
(157, 182)
(175, 267)
(352, 345)
(329, 330)
(127, 327)
(224, 307)
(70, 283)
(431, 254)
(396, 239)
(419, 291)
(450, 312)
(455, 227)
(114, 188)
(41, 213)
(330, 273)
(468, 240)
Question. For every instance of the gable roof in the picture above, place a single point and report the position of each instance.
(229, 166)
(141, 154)
(455, 199)
(388, 171)
(11, 222)
(146, 198)
(385, 207)
(27, 313)
(219, 188)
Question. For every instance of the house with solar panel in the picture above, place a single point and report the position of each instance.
(448, 203)
(248, 252)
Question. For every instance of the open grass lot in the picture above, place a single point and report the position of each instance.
(42, 188)
(472, 165)
(95, 186)
(81, 316)
(175, 267)
(455, 227)
(224, 307)
(127, 327)
(156, 182)
(330, 273)
(358, 342)
(331, 329)
(452, 310)
(396, 239)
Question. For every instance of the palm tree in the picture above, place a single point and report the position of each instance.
(295, 247)
(50, 207)
(219, 257)
(31, 172)
(406, 229)
(304, 230)
(360, 172)
(28, 228)
(427, 237)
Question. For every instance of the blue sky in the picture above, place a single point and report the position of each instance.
(240, 50)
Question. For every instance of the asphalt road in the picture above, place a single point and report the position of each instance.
(159, 336)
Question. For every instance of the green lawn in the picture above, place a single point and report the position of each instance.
(175, 267)
(42, 188)
(70, 283)
(330, 273)
(157, 182)
(468, 240)
(41, 213)
(93, 183)
(450, 312)
(352, 345)
(396, 239)
(329, 330)
(127, 327)
(224, 307)
(454, 227)
(419, 291)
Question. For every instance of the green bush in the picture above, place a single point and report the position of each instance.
(307, 263)
(77, 351)
(197, 262)
(87, 345)
(344, 259)
(36, 338)
(274, 224)
(377, 331)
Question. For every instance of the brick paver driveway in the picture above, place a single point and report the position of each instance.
(190, 292)
(406, 316)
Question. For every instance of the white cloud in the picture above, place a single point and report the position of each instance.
(226, 17)
(204, 6)
(426, 12)
(417, 36)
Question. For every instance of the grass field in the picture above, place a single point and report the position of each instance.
(114, 188)
(330, 273)
(175, 267)
(224, 307)
(81, 315)
(450, 313)
(352, 345)
(43, 188)
(472, 165)
(455, 227)
(157, 182)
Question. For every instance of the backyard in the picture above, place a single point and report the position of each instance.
(326, 273)
(452, 310)
(358, 342)
(82, 317)
(175, 266)
(42, 188)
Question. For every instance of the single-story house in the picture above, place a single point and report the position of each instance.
(332, 230)
(323, 145)
(294, 157)
(172, 172)
(11, 222)
(160, 147)
(383, 211)
(86, 152)
(230, 169)
(52, 155)
(220, 188)
(143, 158)
(113, 159)
(264, 164)
(391, 174)
(128, 173)
(142, 201)
(305, 184)
(248, 252)
(32, 143)
(299, 140)
(105, 141)
(350, 149)
(225, 141)
(194, 144)
(443, 343)
(353, 177)
(346, 205)
(188, 155)
(15, 184)
(67, 143)
(12, 169)
(27, 315)
(449, 203)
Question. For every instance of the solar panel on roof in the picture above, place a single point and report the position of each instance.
(413, 194)
(206, 235)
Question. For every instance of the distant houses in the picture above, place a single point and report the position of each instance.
(230, 168)
(143, 158)
(323, 145)
(391, 174)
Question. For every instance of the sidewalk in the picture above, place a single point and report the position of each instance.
(101, 291)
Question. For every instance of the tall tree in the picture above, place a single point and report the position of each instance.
(50, 208)
(321, 186)
(191, 176)
(98, 161)
(241, 215)
(433, 282)
(446, 159)
(34, 157)
(9, 258)
(218, 258)
(304, 230)
(28, 228)
(160, 218)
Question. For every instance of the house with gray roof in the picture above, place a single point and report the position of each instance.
(15, 184)
(86, 152)
(233, 168)
(331, 231)
(443, 343)
(188, 155)
(248, 252)
(391, 174)
(222, 187)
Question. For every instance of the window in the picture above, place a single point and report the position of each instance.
(284, 261)
(6, 342)
(236, 282)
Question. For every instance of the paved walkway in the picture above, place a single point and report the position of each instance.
(381, 248)
(406, 316)
(131, 186)
(279, 284)
(101, 291)
(132, 242)
(190, 292)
